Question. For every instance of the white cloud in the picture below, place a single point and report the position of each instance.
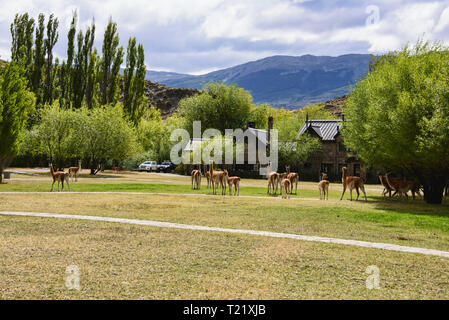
(199, 35)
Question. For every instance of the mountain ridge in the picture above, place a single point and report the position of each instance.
(281, 80)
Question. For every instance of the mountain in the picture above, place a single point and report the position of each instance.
(283, 81)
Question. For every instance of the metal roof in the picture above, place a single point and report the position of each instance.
(327, 130)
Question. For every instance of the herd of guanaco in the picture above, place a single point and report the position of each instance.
(286, 182)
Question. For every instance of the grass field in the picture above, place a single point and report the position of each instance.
(123, 261)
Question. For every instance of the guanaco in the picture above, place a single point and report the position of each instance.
(196, 178)
(216, 178)
(232, 181)
(59, 176)
(207, 175)
(273, 178)
(285, 188)
(387, 188)
(73, 171)
(352, 182)
(323, 186)
(294, 178)
(402, 186)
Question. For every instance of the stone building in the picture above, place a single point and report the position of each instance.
(333, 156)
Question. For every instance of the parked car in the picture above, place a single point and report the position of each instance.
(166, 166)
(148, 166)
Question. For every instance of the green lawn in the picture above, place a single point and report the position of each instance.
(278, 268)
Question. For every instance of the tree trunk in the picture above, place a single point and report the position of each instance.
(433, 190)
(1, 173)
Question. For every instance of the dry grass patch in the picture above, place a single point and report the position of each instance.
(135, 262)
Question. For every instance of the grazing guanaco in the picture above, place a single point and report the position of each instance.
(323, 186)
(387, 188)
(232, 181)
(273, 178)
(285, 188)
(217, 177)
(73, 171)
(402, 186)
(352, 182)
(294, 178)
(59, 176)
(196, 178)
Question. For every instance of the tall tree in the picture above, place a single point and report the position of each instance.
(77, 80)
(92, 87)
(22, 30)
(128, 74)
(112, 58)
(16, 103)
(39, 59)
(50, 41)
(399, 116)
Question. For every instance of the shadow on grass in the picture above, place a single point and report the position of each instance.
(416, 207)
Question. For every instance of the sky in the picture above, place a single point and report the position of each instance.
(199, 36)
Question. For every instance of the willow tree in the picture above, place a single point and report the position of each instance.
(16, 103)
(398, 116)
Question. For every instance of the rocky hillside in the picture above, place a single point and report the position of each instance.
(335, 106)
(165, 98)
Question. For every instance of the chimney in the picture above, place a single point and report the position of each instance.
(270, 127)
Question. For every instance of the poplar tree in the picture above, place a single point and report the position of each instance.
(50, 41)
(39, 59)
(112, 58)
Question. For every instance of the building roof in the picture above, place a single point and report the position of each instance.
(326, 130)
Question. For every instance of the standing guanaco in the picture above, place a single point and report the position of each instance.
(59, 176)
(273, 178)
(232, 181)
(285, 188)
(294, 179)
(207, 175)
(323, 186)
(352, 182)
(216, 178)
(196, 178)
(73, 171)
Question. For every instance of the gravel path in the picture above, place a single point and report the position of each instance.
(376, 245)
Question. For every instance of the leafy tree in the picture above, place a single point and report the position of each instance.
(50, 41)
(220, 107)
(106, 135)
(112, 58)
(39, 59)
(16, 103)
(92, 86)
(134, 100)
(54, 136)
(399, 116)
